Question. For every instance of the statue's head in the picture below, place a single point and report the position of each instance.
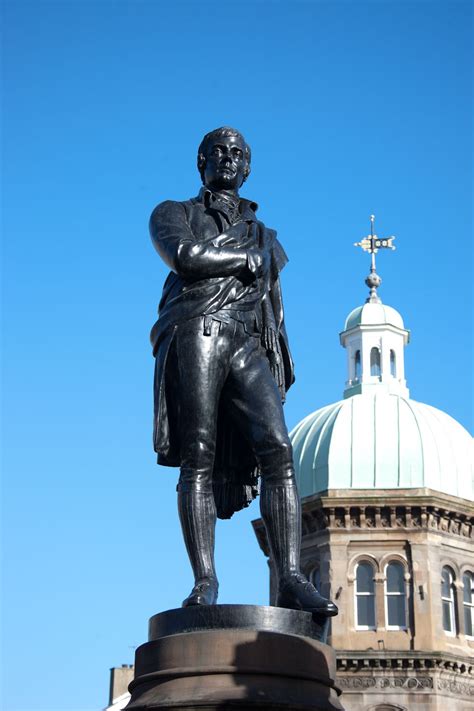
(224, 159)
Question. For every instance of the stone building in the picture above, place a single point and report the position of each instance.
(120, 678)
(388, 527)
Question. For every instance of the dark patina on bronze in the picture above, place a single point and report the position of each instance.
(223, 366)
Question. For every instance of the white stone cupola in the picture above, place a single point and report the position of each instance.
(374, 336)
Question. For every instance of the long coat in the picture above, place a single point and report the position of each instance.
(198, 224)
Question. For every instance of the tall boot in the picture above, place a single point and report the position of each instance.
(281, 513)
(197, 514)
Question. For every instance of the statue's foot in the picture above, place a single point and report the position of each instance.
(297, 593)
(204, 592)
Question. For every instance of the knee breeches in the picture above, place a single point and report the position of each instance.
(226, 369)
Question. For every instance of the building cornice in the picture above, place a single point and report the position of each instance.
(351, 660)
(422, 495)
(413, 672)
(393, 509)
(398, 510)
(374, 327)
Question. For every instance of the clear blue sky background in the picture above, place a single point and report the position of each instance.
(350, 108)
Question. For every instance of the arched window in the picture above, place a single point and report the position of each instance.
(448, 599)
(315, 578)
(375, 362)
(393, 364)
(395, 597)
(468, 603)
(365, 596)
(357, 365)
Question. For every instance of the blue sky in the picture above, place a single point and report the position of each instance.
(350, 108)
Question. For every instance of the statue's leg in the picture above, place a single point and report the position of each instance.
(281, 513)
(200, 369)
(197, 514)
(256, 406)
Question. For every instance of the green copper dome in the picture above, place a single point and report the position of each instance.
(384, 441)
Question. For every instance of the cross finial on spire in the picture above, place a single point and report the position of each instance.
(372, 244)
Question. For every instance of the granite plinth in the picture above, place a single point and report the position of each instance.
(234, 656)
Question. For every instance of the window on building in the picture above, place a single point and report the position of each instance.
(375, 362)
(448, 600)
(357, 365)
(365, 596)
(468, 603)
(315, 578)
(393, 364)
(395, 596)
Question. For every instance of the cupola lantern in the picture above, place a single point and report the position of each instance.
(374, 335)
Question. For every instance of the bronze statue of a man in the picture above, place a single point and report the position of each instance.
(223, 366)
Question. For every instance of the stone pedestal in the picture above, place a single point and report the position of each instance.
(235, 656)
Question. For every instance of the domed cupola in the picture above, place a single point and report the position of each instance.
(374, 336)
(377, 437)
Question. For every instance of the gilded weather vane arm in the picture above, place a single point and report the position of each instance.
(372, 244)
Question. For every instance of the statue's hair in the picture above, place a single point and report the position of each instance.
(223, 131)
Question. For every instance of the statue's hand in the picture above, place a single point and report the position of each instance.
(272, 346)
(258, 262)
(232, 236)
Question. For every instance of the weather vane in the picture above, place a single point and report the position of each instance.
(372, 244)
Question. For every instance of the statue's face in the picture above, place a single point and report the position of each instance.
(225, 163)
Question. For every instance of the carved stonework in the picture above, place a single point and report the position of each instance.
(400, 517)
(416, 517)
(311, 521)
(385, 517)
(355, 517)
(408, 672)
(414, 683)
(455, 686)
(317, 517)
(454, 527)
(356, 682)
(370, 517)
(411, 683)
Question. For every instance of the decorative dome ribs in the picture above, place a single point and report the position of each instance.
(382, 441)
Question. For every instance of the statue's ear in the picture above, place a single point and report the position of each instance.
(201, 162)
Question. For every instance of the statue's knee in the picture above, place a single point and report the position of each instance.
(284, 452)
(193, 479)
(198, 452)
(276, 463)
(286, 449)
